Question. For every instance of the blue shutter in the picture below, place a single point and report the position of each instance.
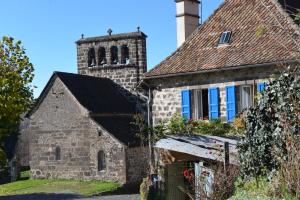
(185, 104)
(230, 103)
(213, 103)
(261, 87)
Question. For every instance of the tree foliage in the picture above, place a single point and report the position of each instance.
(268, 123)
(16, 92)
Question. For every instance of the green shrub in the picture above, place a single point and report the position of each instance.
(253, 189)
(178, 125)
(214, 127)
(262, 149)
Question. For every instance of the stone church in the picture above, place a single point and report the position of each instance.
(81, 126)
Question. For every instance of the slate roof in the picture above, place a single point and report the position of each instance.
(244, 18)
(121, 127)
(98, 95)
(102, 97)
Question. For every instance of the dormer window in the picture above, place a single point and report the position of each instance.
(225, 37)
(91, 58)
(114, 55)
(125, 55)
(102, 56)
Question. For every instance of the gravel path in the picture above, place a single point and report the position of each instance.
(117, 197)
(69, 197)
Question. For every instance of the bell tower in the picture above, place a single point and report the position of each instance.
(120, 57)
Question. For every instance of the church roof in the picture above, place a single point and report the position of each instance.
(256, 38)
(102, 98)
(98, 95)
(121, 127)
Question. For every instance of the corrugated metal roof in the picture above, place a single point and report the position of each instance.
(209, 147)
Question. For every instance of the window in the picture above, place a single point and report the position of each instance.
(114, 55)
(101, 161)
(102, 56)
(57, 153)
(246, 96)
(225, 37)
(91, 58)
(199, 102)
(125, 55)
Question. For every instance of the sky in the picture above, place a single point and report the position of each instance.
(48, 29)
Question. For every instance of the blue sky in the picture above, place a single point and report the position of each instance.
(49, 28)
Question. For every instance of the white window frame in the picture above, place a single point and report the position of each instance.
(241, 96)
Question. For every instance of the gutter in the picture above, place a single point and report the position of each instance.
(222, 69)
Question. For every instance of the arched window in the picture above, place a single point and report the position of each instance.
(125, 55)
(57, 153)
(101, 161)
(102, 56)
(114, 55)
(91, 58)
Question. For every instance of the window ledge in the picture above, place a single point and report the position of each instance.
(223, 45)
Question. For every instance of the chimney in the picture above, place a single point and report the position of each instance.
(187, 18)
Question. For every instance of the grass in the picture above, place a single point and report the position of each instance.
(25, 175)
(84, 188)
(249, 190)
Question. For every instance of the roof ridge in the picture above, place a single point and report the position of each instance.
(286, 15)
(82, 75)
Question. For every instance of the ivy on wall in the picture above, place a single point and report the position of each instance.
(268, 123)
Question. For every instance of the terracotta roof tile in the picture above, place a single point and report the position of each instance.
(244, 18)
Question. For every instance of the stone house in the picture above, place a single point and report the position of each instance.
(219, 66)
(215, 73)
(81, 126)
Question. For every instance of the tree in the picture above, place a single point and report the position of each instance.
(16, 91)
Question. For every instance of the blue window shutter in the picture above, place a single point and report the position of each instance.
(213, 103)
(261, 87)
(230, 103)
(185, 104)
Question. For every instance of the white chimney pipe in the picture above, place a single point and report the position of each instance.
(187, 18)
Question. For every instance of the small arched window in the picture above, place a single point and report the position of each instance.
(102, 56)
(57, 153)
(91, 58)
(114, 55)
(125, 55)
(101, 161)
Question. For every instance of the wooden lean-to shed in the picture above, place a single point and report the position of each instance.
(197, 154)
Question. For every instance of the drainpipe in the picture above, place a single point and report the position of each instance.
(148, 98)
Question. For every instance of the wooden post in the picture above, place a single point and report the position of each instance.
(226, 157)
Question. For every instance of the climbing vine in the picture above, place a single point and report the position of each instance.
(267, 124)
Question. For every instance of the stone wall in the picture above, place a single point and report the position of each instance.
(167, 98)
(137, 164)
(114, 153)
(127, 75)
(24, 139)
(61, 121)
